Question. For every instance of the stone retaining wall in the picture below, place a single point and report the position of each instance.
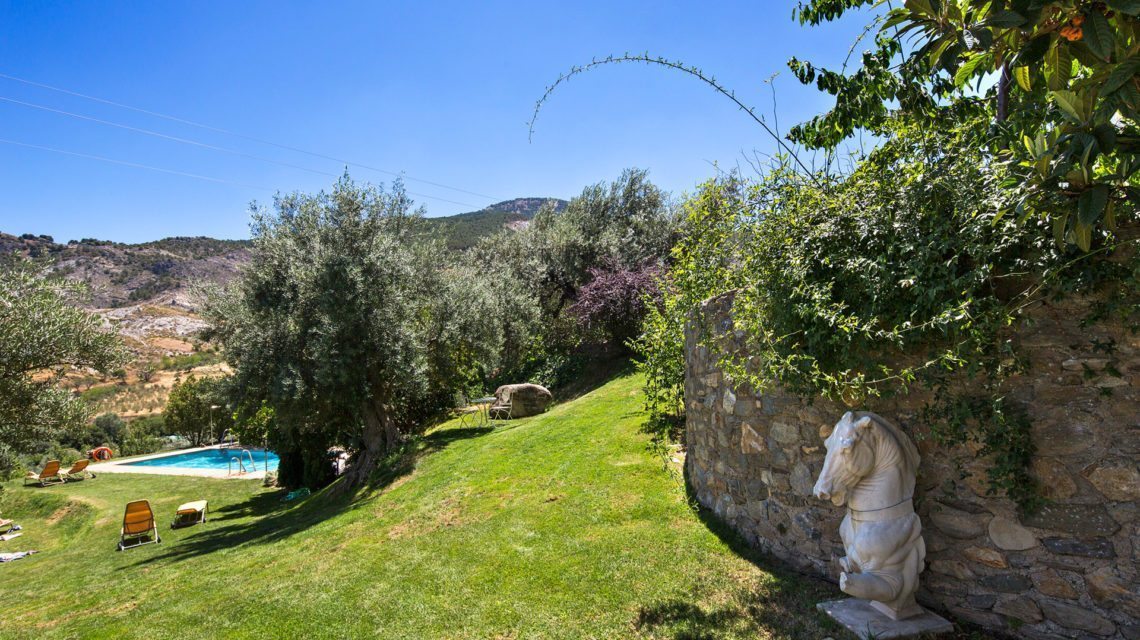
(1069, 571)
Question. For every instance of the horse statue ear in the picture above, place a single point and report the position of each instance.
(825, 430)
(864, 423)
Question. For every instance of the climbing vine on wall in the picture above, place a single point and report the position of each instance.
(900, 276)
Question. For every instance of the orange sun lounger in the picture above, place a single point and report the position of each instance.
(49, 475)
(139, 527)
(78, 470)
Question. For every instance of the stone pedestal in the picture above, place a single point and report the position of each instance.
(867, 622)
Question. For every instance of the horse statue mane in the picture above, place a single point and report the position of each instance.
(901, 440)
(870, 468)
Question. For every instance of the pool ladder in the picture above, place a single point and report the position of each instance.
(241, 463)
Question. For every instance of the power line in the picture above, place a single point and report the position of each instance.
(228, 132)
(164, 136)
(132, 164)
(176, 172)
(202, 145)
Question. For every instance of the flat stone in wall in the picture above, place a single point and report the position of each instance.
(1068, 571)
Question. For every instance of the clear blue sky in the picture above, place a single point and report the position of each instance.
(440, 91)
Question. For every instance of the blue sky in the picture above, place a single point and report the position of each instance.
(441, 91)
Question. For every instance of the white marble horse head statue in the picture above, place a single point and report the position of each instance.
(865, 447)
(870, 467)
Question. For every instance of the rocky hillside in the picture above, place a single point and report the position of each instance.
(161, 272)
(122, 275)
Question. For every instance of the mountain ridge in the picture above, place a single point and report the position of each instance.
(160, 272)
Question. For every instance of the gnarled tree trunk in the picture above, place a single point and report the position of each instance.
(380, 436)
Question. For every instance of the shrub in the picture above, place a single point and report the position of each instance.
(615, 300)
(902, 274)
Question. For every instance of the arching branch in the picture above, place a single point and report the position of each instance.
(676, 66)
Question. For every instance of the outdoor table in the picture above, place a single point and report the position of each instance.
(484, 405)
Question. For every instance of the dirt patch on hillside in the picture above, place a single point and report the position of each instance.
(171, 345)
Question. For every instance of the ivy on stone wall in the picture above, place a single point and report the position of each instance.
(901, 276)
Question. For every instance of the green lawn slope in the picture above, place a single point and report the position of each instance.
(560, 526)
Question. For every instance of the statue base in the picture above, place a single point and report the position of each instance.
(866, 621)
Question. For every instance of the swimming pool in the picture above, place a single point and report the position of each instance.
(219, 459)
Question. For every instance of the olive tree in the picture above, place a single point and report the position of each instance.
(196, 409)
(351, 323)
(43, 335)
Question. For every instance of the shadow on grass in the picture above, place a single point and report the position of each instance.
(265, 519)
(599, 371)
(782, 606)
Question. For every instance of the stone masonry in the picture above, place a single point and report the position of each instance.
(1068, 571)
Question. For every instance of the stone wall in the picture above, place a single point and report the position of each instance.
(1070, 571)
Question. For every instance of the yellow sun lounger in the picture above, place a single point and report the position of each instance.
(49, 475)
(78, 471)
(190, 513)
(139, 527)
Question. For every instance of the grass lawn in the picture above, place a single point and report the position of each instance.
(560, 526)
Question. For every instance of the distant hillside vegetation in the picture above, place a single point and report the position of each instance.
(161, 272)
(463, 231)
(127, 274)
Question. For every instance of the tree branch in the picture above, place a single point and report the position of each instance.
(676, 66)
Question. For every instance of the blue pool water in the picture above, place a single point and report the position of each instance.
(212, 459)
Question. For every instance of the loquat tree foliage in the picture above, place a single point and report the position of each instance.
(1065, 100)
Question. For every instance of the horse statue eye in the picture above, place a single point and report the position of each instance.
(847, 443)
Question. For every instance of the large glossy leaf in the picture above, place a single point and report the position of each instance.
(1125, 6)
(921, 7)
(1070, 103)
(970, 67)
(1120, 74)
(1004, 19)
(1090, 206)
(978, 38)
(1105, 135)
(1060, 221)
(1058, 67)
(1021, 74)
(1082, 233)
(1099, 35)
(1033, 51)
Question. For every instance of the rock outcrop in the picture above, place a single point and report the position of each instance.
(522, 399)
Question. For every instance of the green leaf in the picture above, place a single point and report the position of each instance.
(1110, 216)
(1070, 103)
(895, 18)
(969, 68)
(1129, 94)
(1082, 233)
(1105, 135)
(1058, 66)
(1099, 35)
(1032, 52)
(978, 38)
(1004, 20)
(921, 7)
(937, 52)
(1059, 223)
(1021, 74)
(1120, 74)
(1090, 206)
(1125, 6)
